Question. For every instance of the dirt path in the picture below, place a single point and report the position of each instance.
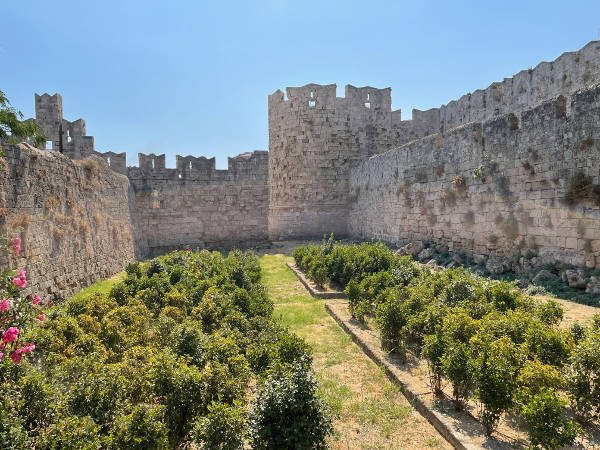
(370, 412)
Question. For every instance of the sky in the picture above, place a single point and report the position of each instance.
(192, 77)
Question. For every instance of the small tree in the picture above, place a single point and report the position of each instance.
(222, 428)
(288, 413)
(583, 376)
(434, 350)
(456, 366)
(495, 372)
(548, 428)
(13, 128)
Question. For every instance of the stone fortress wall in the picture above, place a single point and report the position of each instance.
(516, 146)
(315, 137)
(487, 174)
(192, 205)
(73, 217)
(494, 189)
(195, 205)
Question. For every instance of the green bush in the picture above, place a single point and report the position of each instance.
(495, 367)
(134, 269)
(456, 365)
(363, 297)
(536, 376)
(550, 312)
(155, 267)
(144, 428)
(504, 295)
(222, 428)
(71, 433)
(547, 344)
(435, 348)
(288, 414)
(391, 317)
(141, 366)
(536, 290)
(583, 377)
(548, 428)
(318, 271)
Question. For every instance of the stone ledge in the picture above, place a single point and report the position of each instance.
(442, 422)
(312, 288)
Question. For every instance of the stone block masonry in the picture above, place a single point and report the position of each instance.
(197, 206)
(73, 217)
(497, 187)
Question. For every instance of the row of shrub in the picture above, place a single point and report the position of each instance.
(166, 360)
(486, 338)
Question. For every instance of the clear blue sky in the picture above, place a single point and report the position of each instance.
(192, 77)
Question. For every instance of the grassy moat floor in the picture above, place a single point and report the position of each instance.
(369, 411)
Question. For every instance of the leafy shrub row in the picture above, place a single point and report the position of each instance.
(164, 360)
(488, 339)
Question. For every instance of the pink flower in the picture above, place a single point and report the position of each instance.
(1, 355)
(16, 356)
(36, 300)
(17, 245)
(190, 249)
(4, 304)
(27, 348)
(41, 317)
(10, 335)
(20, 280)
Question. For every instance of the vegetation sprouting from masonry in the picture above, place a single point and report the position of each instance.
(183, 351)
(486, 338)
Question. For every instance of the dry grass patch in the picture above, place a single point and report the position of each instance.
(369, 411)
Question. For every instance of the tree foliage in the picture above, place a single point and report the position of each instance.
(14, 129)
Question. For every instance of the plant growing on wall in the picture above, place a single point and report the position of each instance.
(16, 310)
(581, 188)
(479, 173)
(13, 128)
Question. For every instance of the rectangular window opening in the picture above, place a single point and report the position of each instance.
(49, 145)
(368, 105)
(312, 103)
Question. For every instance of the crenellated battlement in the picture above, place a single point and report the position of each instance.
(246, 166)
(116, 161)
(318, 96)
(192, 165)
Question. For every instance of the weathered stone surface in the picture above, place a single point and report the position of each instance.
(575, 278)
(593, 287)
(496, 264)
(73, 218)
(425, 254)
(408, 193)
(412, 249)
(197, 206)
(543, 275)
